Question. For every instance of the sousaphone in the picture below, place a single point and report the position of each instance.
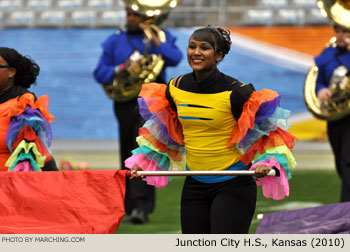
(144, 67)
(338, 12)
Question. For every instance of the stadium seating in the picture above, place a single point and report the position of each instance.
(70, 4)
(109, 13)
(83, 18)
(20, 18)
(305, 3)
(100, 4)
(51, 18)
(111, 18)
(314, 17)
(290, 17)
(10, 5)
(39, 4)
(274, 3)
(258, 17)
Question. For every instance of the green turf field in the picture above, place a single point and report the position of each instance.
(308, 188)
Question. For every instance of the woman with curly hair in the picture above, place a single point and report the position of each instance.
(25, 131)
(206, 120)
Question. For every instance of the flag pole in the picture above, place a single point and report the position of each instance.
(272, 172)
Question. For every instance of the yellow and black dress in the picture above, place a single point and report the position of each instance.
(217, 124)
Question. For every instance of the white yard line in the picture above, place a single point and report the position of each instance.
(270, 53)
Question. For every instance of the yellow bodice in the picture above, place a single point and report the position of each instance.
(207, 122)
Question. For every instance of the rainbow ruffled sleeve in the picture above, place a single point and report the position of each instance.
(160, 139)
(261, 133)
(29, 135)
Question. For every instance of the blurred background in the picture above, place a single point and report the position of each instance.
(273, 45)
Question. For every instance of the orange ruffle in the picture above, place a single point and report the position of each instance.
(42, 103)
(173, 154)
(157, 103)
(276, 138)
(247, 118)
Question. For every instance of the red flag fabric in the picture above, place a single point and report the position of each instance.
(63, 202)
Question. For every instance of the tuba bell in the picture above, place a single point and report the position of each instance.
(145, 67)
(338, 12)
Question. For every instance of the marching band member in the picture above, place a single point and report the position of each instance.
(207, 120)
(115, 60)
(331, 60)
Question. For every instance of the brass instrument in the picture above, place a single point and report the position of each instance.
(338, 11)
(144, 68)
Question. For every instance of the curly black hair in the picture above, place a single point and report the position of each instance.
(218, 37)
(27, 70)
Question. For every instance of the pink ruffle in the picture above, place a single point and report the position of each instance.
(23, 166)
(273, 187)
(147, 165)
